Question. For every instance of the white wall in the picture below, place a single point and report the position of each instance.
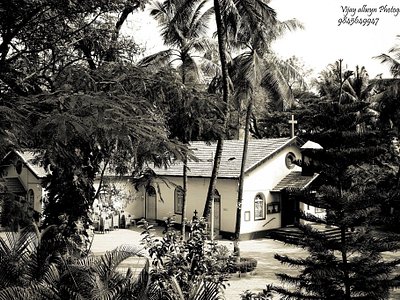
(261, 180)
(132, 200)
(196, 195)
(29, 181)
(312, 210)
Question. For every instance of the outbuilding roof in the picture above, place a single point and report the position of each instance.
(258, 151)
(294, 180)
(30, 159)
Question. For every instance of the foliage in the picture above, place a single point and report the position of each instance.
(184, 27)
(349, 265)
(89, 125)
(15, 212)
(264, 295)
(33, 268)
(184, 269)
(245, 265)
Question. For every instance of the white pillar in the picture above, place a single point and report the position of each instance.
(212, 220)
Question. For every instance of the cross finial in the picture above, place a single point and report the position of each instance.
(195, 215)
(292, 122)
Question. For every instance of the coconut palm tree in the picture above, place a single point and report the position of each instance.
(256, 68)
(248, 27)
(184, 25)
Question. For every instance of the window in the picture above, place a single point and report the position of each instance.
(273, 208)
(18, 167)
(178, 202)
(259, 207)
(319, 210)
(289, 160)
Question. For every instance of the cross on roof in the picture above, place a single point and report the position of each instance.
(292, 122)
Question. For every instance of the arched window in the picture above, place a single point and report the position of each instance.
(151, 191)
(259, 207)
(178, 202)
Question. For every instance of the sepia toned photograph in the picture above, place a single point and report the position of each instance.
(199, 150)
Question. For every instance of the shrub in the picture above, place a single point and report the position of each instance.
(246, 264)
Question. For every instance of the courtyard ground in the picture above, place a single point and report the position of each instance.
(261, 249)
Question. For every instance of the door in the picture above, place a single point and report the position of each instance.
(151, 201)
(290, 209)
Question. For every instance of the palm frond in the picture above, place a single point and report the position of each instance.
(391, 62)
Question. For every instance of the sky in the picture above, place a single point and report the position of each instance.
(323, 40)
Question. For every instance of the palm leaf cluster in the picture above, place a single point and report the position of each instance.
(32, 269)
(184, 27)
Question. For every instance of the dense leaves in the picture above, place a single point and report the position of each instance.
(349, 264)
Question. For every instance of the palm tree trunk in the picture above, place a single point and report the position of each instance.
(242, 169)
(346, 276)
(184, 197)
(213, 179)
(221, 33)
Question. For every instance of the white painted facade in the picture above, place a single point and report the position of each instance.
(259, 180)
(29, 179)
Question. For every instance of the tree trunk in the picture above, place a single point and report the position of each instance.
(221, 33)
(213, 179)
(242, 169)
(183, 232)
(346, 277)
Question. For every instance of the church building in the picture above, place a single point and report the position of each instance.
(270, 171)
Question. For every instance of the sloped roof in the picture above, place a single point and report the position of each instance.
(258, 152)
(294, 180)
(30, 158)
(14, 185)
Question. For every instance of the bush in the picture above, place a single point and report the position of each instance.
(246, 264)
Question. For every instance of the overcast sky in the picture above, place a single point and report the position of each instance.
(322, 41)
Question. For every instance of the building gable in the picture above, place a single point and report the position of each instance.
(258, 152)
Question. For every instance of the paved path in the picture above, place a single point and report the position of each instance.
(262, 249)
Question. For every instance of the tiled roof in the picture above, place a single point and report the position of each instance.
(30, 158)
(258, 151)
(14, 185)
(294, 180)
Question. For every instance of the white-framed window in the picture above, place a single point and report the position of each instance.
(178, 200)
(259, 207)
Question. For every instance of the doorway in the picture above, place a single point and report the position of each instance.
(151, 203)
(290, 209)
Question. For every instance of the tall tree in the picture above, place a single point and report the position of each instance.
(222, 50)
(349, 265)
(184, 26)
(109, 122)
